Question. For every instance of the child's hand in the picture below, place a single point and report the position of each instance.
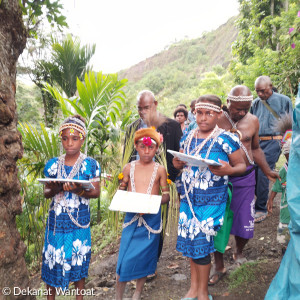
(223, 170)
(54, 186)
(178, 164)
(72, 187)
(272, 175)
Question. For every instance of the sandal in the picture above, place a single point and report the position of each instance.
(260, 216)
(219, 276)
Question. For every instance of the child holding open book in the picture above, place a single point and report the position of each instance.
(141, 232)
(67, 248)
(203, 191)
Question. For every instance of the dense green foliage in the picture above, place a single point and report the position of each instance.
(266, 46)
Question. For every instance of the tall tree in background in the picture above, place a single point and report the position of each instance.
(268, 44)
(13, 35)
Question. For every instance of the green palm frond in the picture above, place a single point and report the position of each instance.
(40, 145)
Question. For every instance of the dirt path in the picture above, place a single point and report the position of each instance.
(250, 281)
(174, 276)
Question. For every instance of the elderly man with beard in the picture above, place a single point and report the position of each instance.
(237, 119)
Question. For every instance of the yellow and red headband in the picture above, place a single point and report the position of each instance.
(73, 123)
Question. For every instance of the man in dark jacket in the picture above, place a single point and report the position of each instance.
(169, 128)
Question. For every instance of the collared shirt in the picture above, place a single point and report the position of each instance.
(281, 104)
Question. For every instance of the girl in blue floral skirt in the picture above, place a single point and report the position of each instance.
(67, 249)
(203, 190)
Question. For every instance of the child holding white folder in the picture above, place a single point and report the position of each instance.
(141, 232)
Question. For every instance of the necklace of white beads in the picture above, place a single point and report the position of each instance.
(214, 136)
(60, 197)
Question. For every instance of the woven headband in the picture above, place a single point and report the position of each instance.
(240, 98)
(72, 126)
(206, 105)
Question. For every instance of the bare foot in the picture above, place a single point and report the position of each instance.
(137, 295)
(239, 258)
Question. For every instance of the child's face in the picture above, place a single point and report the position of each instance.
(146, 153)
(206, 119)
(71, 141)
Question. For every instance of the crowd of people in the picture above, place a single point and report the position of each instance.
(238, 144)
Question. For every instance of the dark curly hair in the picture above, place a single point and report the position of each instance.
(181, 109)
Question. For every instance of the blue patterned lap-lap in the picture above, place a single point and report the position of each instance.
(208, 196)
(138, 248)
(67, 248)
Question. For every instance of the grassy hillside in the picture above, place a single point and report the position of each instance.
(185, 70)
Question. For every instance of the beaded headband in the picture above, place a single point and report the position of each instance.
(80, 127)
(206, 105)
(240, 98)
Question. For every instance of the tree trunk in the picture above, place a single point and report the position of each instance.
(13, 272)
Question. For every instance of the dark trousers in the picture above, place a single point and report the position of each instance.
(272, 151)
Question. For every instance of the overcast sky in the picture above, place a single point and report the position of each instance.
(127, 32)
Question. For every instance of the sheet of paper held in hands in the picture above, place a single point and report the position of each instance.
(86, 185)
(194, 160)
(135, 202)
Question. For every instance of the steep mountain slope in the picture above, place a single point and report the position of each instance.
(175, 74)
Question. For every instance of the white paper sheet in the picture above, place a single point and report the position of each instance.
(135, 202)
(194, 160)
(87, 185)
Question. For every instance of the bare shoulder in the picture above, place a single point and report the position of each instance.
(253, 119)
(126, 169)
(161, 169)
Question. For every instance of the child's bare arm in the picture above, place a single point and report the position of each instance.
(270, 201)
(125, 180)
(165, 190)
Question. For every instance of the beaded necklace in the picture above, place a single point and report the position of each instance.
(61, 173)
(214, 134)
(251, 162)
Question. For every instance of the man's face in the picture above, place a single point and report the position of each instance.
(146, 106)
(263, 90)
(238, 110)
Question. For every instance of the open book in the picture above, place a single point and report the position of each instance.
(86, 185)
(135, 202)
(196, 161)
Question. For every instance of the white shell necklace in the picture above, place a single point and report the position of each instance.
(61, 173)
(214, 134)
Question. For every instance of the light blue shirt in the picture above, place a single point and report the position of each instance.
(281, 104)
